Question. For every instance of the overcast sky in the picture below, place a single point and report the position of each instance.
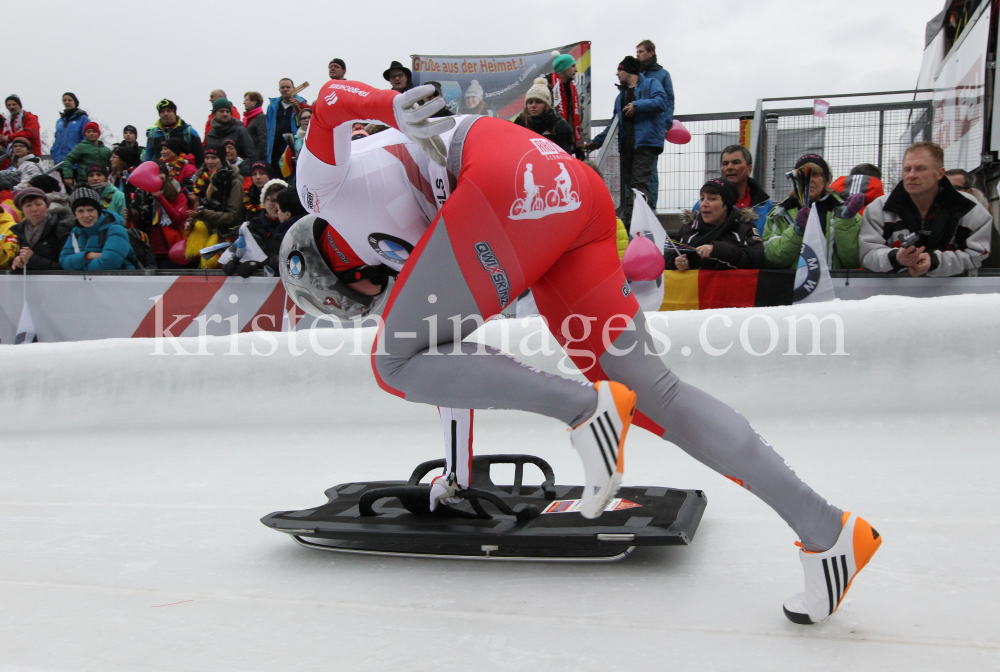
(120, 58)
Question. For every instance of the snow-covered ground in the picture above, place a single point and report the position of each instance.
(131, 485)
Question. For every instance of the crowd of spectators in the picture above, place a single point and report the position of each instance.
(234, 182)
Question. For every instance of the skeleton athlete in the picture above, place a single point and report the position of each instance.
(388, 201)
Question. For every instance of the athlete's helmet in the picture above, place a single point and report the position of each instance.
(311, 283)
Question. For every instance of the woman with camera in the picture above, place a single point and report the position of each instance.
(218, 205)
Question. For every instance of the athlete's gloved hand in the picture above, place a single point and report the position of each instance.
(443, 490)
(248, 268)
(801, 219)
(853, 205)
(414, 120)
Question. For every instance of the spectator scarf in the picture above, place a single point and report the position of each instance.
(252, 205)
(559, 103)
(248, 116)
(176, 167)
(201, 184)
(106, 196)
(17, 123)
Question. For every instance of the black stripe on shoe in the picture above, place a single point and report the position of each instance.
(611, 426)
(613, 446)
(843, 562)
(601, 449)
(836, 580)
(829, 585)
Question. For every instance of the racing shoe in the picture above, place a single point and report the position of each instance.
(829, 574)
(444, 489)
(600, 441)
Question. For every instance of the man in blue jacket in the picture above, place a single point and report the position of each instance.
(282, 117)
(641, 108)
(645, 51)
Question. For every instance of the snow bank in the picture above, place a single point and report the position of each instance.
(884, 354)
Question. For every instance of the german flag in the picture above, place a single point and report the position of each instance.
(696, 290)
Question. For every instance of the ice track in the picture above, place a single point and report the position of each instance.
(131, 486)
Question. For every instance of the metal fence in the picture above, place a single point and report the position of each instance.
(848, 135)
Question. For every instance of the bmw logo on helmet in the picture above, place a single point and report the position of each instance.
(296, 264)
(390, 248)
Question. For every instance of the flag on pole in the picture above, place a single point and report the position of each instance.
(812, 279)
(649, 293)
(25, 327)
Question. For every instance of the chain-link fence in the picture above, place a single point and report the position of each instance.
(848, 135)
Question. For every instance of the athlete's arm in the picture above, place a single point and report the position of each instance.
(340, 104)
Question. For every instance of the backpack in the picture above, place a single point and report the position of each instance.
(141, 255)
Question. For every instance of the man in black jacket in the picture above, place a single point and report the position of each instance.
(225, 127)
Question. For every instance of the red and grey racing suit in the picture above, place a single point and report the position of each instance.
(511, 211)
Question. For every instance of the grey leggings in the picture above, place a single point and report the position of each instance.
(425, 363)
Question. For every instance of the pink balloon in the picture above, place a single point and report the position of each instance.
(642, 261)
(177, 252)
(146, 177)
(678, 134)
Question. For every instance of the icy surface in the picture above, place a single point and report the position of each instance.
(131, 487)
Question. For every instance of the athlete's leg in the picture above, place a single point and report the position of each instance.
(618, 347)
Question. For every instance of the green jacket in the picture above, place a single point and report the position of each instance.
(783, 246)
(113, 199)
(85, 154)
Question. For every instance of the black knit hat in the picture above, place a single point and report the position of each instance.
(86, 196)
(176, 146)
(630, 64)
(816, 159)
(22, 141)
(128, 155)
(15, 98)
(261, 165)
(724, 188)
(340, 62)
(131, 128)
(97, 168)
(166, 103)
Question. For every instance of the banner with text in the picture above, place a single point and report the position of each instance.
(496, 85)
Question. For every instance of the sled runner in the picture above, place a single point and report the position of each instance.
(506, 522)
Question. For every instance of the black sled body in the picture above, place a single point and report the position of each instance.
(506, 522)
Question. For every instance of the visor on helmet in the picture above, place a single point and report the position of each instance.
(312, 284)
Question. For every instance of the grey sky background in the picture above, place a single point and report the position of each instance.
(120, 58)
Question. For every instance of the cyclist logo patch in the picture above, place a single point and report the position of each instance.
(536, 198)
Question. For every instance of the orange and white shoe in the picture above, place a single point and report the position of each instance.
(829, 574)
(600, 442)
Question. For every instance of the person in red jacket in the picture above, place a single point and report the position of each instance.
(161, 215)
(865, 178)
(21, 125)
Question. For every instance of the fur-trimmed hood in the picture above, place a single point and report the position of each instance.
(743, 215)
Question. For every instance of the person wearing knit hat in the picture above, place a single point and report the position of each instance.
(173, 153)
(112, 198)
(225, 126)
(87, 153)
(539, 116)
(130, 139)
(213, 98)
(218, 191)
(28, 194)
(24, 161)
(472, 102)
(786, 223)
(40, 235)
(641, 113)
(566, 98)
(719, 236)
(337, 69)
(123, 160)
(170, 125)
(100, 241)
(129, 157)
(260, 174)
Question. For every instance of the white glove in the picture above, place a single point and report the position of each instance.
(443, 490)
(413, 119)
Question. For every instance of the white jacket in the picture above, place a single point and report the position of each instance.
(29, 166)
